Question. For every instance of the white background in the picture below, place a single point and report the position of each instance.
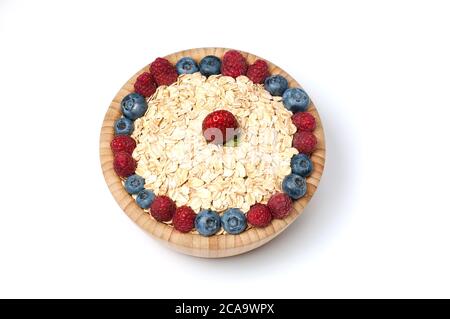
(379, 73)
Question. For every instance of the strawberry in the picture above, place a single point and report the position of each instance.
(219, 127)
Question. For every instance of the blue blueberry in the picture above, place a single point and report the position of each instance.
(186, 66)
(145, 198)
(210, 65)
(301, 165)
(123, 126)
(133, 106)
(276, 85)
(134, 184)
(295, 100)
(207, 222)
(294, 185)
(234, 221)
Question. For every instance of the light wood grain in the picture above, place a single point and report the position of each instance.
(193, 244)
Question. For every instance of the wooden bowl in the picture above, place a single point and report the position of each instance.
(223, 245)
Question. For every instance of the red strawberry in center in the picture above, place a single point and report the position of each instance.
(219, 127)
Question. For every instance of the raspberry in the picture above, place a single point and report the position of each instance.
(162, 208)
(259, 215)
(304, 121)
(124, 164)
(163, 72)
(183, 219)
(280, 205)
(304, 142)
(145, 84)
(258, 71)
(233, 64)
(123, 143)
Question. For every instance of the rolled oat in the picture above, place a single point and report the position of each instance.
(175, 159)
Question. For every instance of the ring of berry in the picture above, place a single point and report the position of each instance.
(232, 220)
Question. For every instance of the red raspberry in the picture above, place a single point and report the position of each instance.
(163, 72)
(219, 120)
(304, 121)
(304, 142)
(124, 164)
(258, 71)
(183, 219)
(259, 215)
(162, 208)
(145, 84)
(233, 64)
(280, 205)
(123, 143)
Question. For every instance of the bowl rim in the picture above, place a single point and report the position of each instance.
(216, 246)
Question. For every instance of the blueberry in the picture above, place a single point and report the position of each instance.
(210, 65)
(295, 100)
(186, 66)
(276, 85)
(294, 185)
(123, 126)
(301, 165)
(207, 222)
(133, 106)
(234, 221)
(145, 198)
(134, 184)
